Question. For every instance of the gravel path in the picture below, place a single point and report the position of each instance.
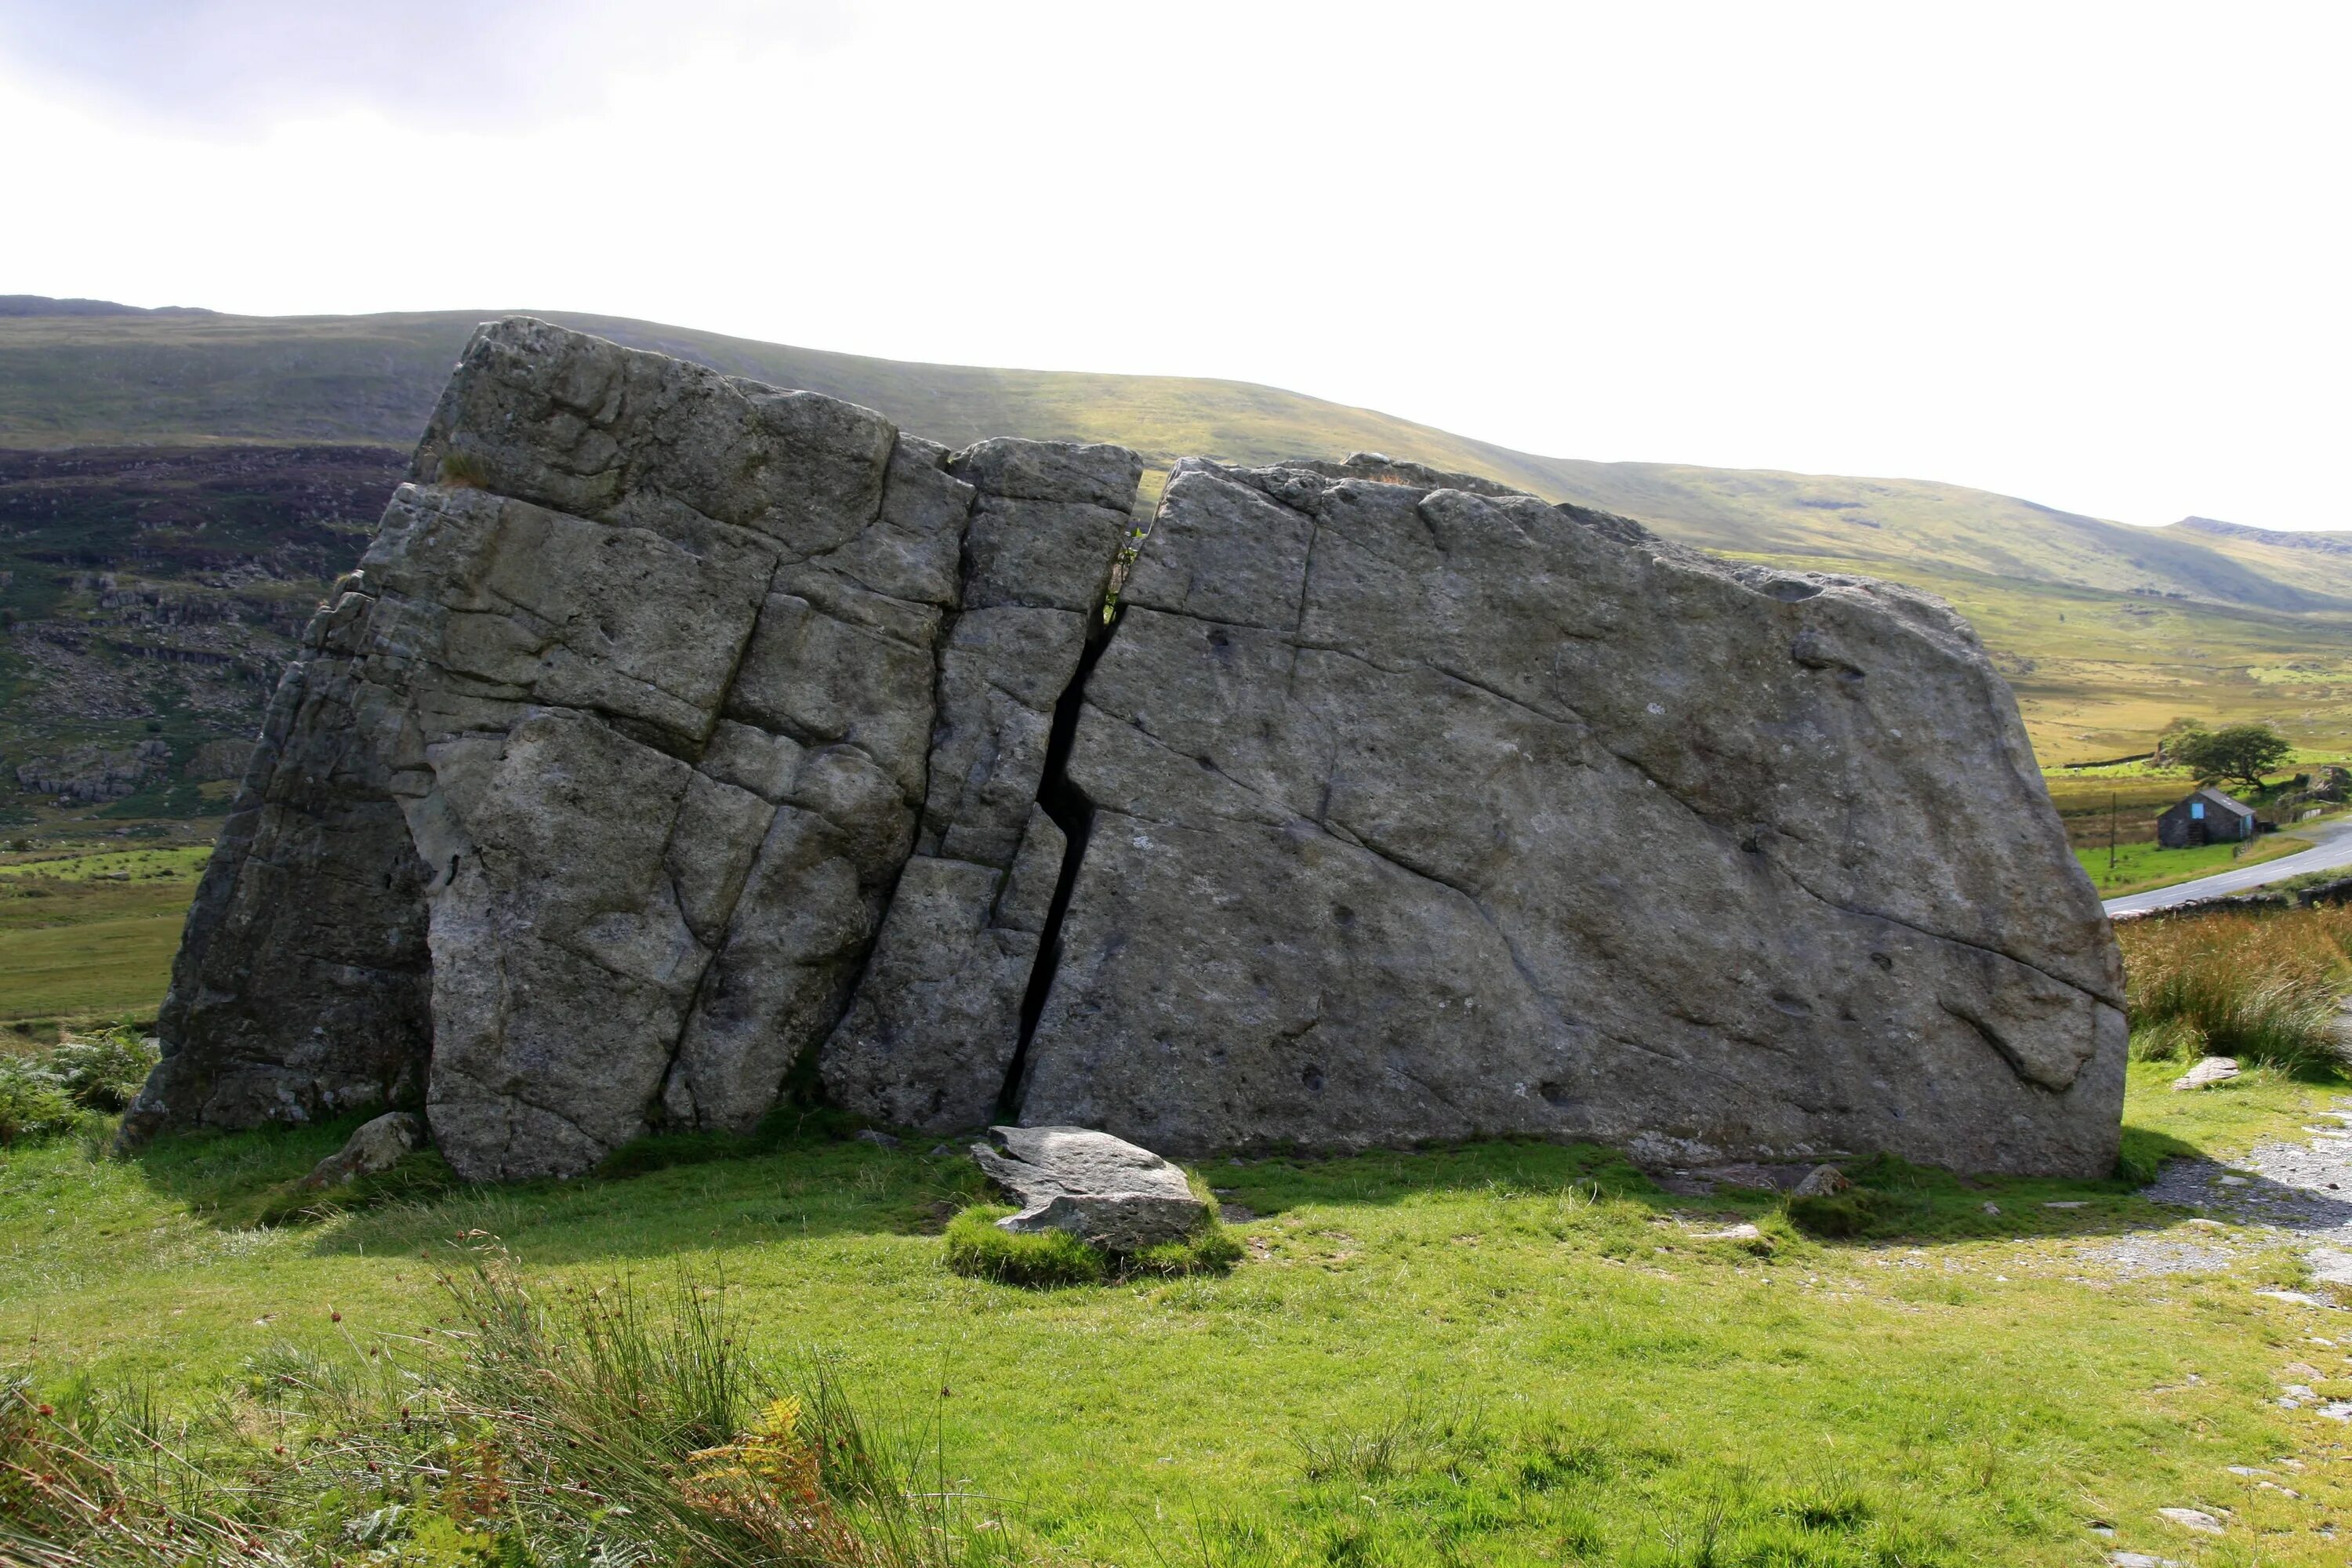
(2303, 1191)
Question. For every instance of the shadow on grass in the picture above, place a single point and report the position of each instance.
(799, 1175)
(804, 1174)
(1892, 1199)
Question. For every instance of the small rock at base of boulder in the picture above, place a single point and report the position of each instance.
(1821, 1182)
(2195, 1518)
(1103, 1189)
(2207, 1072)
(376, 1148)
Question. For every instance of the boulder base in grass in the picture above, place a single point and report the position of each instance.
(376, 1148)
(1103, 1189)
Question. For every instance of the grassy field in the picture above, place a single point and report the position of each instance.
(90, 935)
(1499, 1354)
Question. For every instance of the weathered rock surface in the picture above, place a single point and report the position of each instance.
(1424, 810)
(376, 1147)
(586, 805)
(2207, 1072)
(1103, 1189)
(680, 735)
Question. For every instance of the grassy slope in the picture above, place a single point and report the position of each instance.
(1503, 1354)
(75, 942)
(2153, 624)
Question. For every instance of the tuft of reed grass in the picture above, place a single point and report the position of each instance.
(2258, 986)
(577, 1425)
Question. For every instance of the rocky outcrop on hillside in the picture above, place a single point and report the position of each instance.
(158, 591)
(682, 740)
(88, 774)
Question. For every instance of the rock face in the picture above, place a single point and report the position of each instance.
(1103, 1189)
(1421, 810)
(585, 808)
(680, 736)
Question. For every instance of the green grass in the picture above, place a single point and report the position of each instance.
(977, 1246)
(1498, 1353)
(180, 863)
(2261, 985)
(113, 965)
(89, 933)
(2139, 867)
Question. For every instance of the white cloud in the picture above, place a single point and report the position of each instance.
(2088, 254)
(236, 65)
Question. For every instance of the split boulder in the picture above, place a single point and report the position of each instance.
(682, 737)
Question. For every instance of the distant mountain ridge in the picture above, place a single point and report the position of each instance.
(2331, 541)
(42, 305)
(2106, 631)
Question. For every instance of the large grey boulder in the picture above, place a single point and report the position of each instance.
(1424, 810)
(1103, 1189)
(681, 738)
(583, 811)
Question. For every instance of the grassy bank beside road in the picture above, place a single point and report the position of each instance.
(2139, 867)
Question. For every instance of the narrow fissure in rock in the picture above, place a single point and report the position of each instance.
(1073, 814)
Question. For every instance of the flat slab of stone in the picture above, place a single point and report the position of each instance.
(376, 1148)
(2207, 1072)
(1103, 1190)
(2195, 1518)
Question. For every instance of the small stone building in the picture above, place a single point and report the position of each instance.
(2206, 816)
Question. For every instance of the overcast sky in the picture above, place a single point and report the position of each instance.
(2093, 255)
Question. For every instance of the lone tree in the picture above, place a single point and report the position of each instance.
(2240, 753)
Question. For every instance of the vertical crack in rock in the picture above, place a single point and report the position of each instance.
(1063, 800)
(932, 1031)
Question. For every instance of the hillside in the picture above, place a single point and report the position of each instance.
(150, 592)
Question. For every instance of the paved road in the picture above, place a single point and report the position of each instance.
(2331, 848)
